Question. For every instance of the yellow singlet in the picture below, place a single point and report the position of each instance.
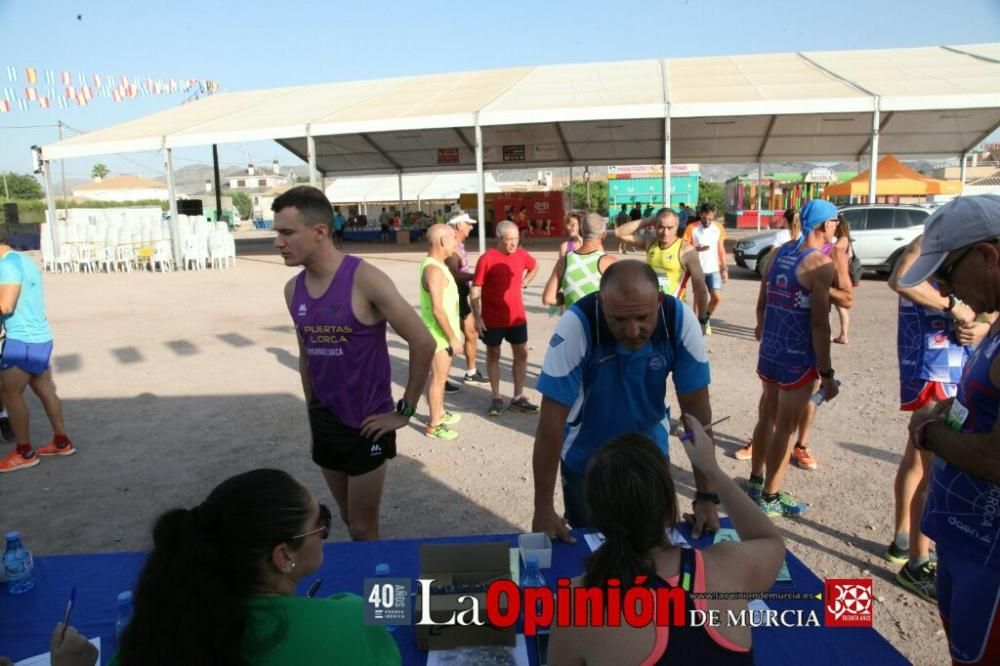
(668, 267)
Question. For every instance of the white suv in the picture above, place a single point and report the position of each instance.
(879, 233)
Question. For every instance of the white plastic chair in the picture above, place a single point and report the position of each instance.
(85, 260)
(66, 261)
(125, 258)
(163, 255)
(191, 257)
(217, 250)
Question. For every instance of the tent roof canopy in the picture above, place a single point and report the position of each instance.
(894, 178)
(776, 107)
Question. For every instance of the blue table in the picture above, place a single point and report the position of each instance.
(27, 620)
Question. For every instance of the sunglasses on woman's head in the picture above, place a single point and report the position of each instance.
(325, 519)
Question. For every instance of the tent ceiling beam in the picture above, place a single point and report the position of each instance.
(565, 144)
(980, 139)
(378, 149)
(465, 141)
(767, 137)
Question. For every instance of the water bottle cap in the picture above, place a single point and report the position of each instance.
(13, 535)
(382, 569)
(125, 597)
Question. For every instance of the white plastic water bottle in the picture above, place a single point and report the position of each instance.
(819, 396)
(124, 614)
(18, 565)
(382, 571)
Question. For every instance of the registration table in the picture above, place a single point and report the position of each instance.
(27, 620)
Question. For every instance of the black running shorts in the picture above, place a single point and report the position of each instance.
(339, 447)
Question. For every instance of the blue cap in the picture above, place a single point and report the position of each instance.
(13, 534)
(382, 569)
(125, 597)
(814, 213)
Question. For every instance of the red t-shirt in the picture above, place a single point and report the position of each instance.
(501, 276)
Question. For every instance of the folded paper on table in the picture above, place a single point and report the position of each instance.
(46, 659)
(482, 654)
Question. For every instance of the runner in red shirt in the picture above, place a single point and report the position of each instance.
(502, 273)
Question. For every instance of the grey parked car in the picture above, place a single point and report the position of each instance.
(879, 232)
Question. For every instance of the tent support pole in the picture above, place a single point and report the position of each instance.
(172, 195)
(218, 186)
(666, 159)
(399, 180)
(873, 170)
(311, 154)
(760, 186)
(480, 187)
(963, 158)
(50, 200)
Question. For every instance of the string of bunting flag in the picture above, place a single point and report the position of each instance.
(30, 88)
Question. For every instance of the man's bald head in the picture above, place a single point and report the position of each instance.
(628, 277)
(436, 232)
(592, 227)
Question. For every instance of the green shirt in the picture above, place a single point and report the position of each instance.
(450, 304)
(581, 276)
(315, 632)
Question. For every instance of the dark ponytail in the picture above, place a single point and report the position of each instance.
(191, 599)
(631, 499)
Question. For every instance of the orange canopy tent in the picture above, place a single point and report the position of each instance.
(894, 178)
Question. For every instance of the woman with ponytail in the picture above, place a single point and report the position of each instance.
(631, 498)
(219, 585)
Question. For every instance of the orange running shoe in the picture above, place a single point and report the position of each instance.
(14, 461)
(746, 453)
(802, 457)
(54, 449)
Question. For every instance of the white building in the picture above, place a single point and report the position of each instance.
(122, 188)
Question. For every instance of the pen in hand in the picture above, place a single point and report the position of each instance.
(314, 588)
(69, 610)
(690, 435)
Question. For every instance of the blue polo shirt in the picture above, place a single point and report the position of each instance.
(612, 390)
(28, 322)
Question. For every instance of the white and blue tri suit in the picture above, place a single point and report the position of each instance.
(930, 357)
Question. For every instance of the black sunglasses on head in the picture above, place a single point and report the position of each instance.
(325, 520)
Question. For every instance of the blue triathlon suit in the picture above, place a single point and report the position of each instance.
(787, 357)
(962, 515)
(930, 356)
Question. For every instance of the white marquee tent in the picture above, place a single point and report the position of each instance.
(812, 106)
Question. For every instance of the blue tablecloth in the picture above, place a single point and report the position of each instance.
(27, 620)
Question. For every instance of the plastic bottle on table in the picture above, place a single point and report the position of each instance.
(124, 613)
(532, 577)
(819, 396)
(18, 565)
(382, 571)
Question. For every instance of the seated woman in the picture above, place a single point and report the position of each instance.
(219, 585)
(632, 501)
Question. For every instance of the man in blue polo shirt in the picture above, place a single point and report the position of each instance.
(27, 351)
(605, 374)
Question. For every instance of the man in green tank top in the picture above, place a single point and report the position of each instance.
(439, 312)
(579, 272)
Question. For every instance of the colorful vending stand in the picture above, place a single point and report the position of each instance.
(643, 184)
(545, 211)
(779, 192)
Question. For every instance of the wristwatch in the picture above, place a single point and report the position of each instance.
(404, 409)
(699, 496)
(952, 302)
(826, 374)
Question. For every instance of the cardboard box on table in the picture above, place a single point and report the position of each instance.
(461, 564)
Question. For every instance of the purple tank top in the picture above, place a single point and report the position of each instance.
(348, 361)
(460, 248)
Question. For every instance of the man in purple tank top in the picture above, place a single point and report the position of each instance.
(340, 306)
(793, 326)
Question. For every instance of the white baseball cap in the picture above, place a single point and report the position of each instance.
(459, 217)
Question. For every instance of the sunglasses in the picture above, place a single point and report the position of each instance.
(325, 519)
(944, 273)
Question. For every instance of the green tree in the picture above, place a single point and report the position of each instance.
(302, 179)
(243, 205)
(598, 196)
(713, 193)
(19, 186)
(100, 170)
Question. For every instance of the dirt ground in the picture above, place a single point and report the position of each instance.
(173, 382)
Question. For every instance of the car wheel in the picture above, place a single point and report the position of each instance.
(760, 260)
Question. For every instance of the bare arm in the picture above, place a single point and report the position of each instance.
(303, 357)
(698, 405)
(842, 291)
(627, 231)
(550, 294)
(691, 263)
(819, 278)
(529, 276)
(9, 293)
(454, 264)
(545, 468)
(923, 294)
(752, 564)
(476, 300)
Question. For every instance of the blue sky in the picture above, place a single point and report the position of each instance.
(248, 45)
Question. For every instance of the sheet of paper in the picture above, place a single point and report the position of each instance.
(515, 565)
(594, 540)
(483, 655)
(46, 659)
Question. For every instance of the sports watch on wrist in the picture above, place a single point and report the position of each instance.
(952, 302)
(404, 409)
(826, 374)
(700, 496)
